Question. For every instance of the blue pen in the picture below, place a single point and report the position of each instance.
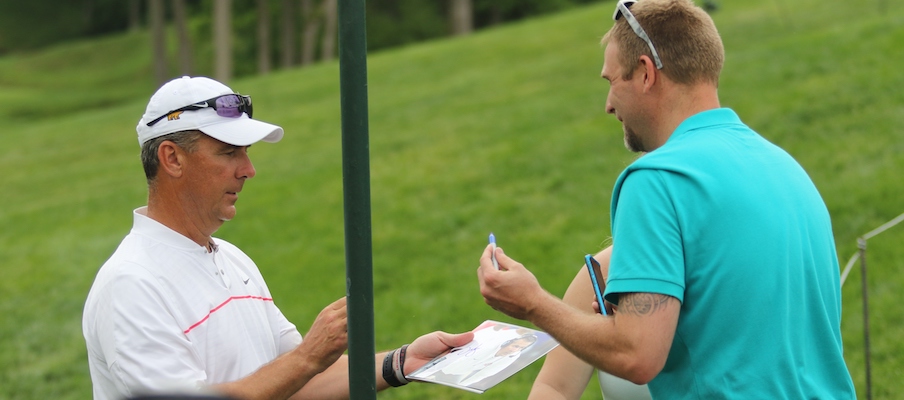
(493, 242)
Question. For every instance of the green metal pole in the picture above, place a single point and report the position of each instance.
(356, 189)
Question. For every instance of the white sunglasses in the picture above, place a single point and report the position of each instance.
(622, 8)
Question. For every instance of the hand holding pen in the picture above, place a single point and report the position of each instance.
(493, 256)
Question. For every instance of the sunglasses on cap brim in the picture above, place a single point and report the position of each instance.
(227, 105)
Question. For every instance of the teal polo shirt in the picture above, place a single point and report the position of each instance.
(733, 227)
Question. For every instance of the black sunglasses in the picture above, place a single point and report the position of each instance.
(227, 105)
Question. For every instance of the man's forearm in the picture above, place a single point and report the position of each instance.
(277, 380)
(591, 337)
(333, 383)
(633, 344)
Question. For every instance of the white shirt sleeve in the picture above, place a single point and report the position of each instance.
(143, 345)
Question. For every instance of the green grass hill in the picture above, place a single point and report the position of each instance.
(503, 131)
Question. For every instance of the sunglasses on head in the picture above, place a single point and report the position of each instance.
(227, 105)
(623, 9)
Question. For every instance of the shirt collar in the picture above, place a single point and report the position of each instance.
(146, 226)
(716, 116)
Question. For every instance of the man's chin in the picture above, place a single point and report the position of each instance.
(228, 215)
(632, 143)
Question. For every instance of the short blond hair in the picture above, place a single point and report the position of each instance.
(684, 36)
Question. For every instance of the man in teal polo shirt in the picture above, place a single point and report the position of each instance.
(723, 267)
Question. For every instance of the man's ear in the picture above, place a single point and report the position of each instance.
(171, 158)
(648, 69)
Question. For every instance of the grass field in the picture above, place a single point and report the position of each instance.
(501, 131)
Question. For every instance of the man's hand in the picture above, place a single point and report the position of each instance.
(610, 308)
(292, 371)
(432, 345)
(328, 337)
(512, 289)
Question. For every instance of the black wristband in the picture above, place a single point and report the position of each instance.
(388, 374)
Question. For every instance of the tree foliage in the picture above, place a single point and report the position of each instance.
(26, 25)
(389, 23)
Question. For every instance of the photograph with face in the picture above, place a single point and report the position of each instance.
(498, 351)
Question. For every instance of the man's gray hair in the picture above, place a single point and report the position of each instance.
(185, 139)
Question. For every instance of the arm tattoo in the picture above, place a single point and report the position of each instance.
(642, 303)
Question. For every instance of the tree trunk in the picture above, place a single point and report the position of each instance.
(263, 36)
(288, 34)
(185, 52)
(134, 15)
(311, 19)
(328, 47)
(495, 15)
(222, 40)
(87, 12)
(462, 16)
(158, 40)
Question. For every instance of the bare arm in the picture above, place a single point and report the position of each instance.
(322, 346)
(317, 369)
(564, 375)
(333, 383)
(633, 344)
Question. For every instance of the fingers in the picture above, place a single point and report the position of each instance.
(487, 251)
(485, 257)
(505, 262)
(328, 337)
(335, 315)
(432, 345)
(610, 308)
(486, 265)
(488, 276)
(339, 304)
(500, 255)
(486, 261)
(455, 340)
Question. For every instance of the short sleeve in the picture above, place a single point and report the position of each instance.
(647, 251)
(289, 337)
(143, 345)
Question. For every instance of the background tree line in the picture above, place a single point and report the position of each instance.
(228, 38)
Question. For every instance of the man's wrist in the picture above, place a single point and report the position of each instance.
(398, 364)
(394, 367)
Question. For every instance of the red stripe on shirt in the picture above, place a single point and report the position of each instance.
(195, 325)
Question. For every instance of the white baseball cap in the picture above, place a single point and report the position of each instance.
(188, 103)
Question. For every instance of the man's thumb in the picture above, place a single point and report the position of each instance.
(456, 340)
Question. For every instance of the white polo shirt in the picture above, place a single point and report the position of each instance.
(164, 314)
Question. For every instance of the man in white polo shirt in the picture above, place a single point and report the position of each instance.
(176, 310)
